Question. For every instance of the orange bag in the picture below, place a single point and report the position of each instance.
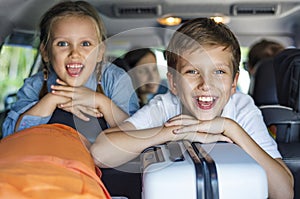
(48, 161)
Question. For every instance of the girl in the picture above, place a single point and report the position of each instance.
(72, 47)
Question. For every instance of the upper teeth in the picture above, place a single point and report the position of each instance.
(206, 99)
(75, 66)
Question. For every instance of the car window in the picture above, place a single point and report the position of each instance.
(17, 57)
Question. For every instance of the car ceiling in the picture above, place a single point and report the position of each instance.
(247, 17)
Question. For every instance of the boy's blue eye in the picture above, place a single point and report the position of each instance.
(62, 43)
(220, 72)
(192, 72)
(86, 43)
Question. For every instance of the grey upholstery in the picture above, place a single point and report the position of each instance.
(287, 76)
(263, 83)
(285, 114)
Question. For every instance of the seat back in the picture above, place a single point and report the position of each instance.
(286, 115)
(263, 83)
(287, 75)
(283, 123)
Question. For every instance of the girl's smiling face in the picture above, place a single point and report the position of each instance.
(74, 49)
(204, 81)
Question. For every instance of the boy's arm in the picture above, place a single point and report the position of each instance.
(280, 179)
(119, 145)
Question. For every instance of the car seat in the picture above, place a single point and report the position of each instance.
(287, 75)
(287, 114)
(263, 84)
(276, 92)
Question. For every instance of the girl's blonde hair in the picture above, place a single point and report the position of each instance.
(63, 9)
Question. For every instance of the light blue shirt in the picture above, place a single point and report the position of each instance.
(115, 82)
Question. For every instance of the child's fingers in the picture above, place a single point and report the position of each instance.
(207, 137)
(57, 88)
(61, 82)
(180, 117)
(92, 112)
(181, 120)
(201, 126)
(83, 111)
(77, 112)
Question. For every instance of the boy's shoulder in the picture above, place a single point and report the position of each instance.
(241, 99)
(237, 103)
(241, 96)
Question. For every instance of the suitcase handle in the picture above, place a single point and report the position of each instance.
(175, 152)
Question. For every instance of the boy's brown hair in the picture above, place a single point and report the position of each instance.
(200, 32)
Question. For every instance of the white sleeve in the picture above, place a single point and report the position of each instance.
(159, 110)
(250, 118)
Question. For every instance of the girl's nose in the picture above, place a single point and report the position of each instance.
(74, 52)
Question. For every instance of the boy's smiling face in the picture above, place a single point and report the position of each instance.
(204, 81)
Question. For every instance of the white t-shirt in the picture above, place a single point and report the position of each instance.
(240, 108)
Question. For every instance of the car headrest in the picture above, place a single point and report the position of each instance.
(287, 75)
(264, 85)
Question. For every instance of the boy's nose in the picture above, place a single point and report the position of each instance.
(202, 84)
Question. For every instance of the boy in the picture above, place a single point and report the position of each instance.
(203, 59)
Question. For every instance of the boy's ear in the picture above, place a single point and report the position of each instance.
(44, 53)
(234, 83)
(102, 48)
(172, 84)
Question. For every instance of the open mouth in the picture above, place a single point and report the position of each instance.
(206, 102)
(74, 70)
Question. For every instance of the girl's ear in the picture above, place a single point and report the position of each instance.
(172, 84)
(44, 52)
(102, 48)
(234, 83)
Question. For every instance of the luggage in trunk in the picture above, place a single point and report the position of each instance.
(207, 171)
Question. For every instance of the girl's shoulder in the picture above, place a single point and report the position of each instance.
(112, 69)
(36, 78)
(113, 73)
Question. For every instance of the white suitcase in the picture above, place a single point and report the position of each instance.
(207, 171)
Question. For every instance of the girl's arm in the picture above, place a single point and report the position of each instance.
(111, 112)
(43, 108)
(86, 101)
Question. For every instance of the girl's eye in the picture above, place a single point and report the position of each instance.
(62, 43)
(86, 43)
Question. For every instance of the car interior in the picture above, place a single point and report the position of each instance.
(141, 23)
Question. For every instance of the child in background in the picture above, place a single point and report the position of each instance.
(142, 67)
(258, 52)
(203, 58)
(261, 50)
(76, 81)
